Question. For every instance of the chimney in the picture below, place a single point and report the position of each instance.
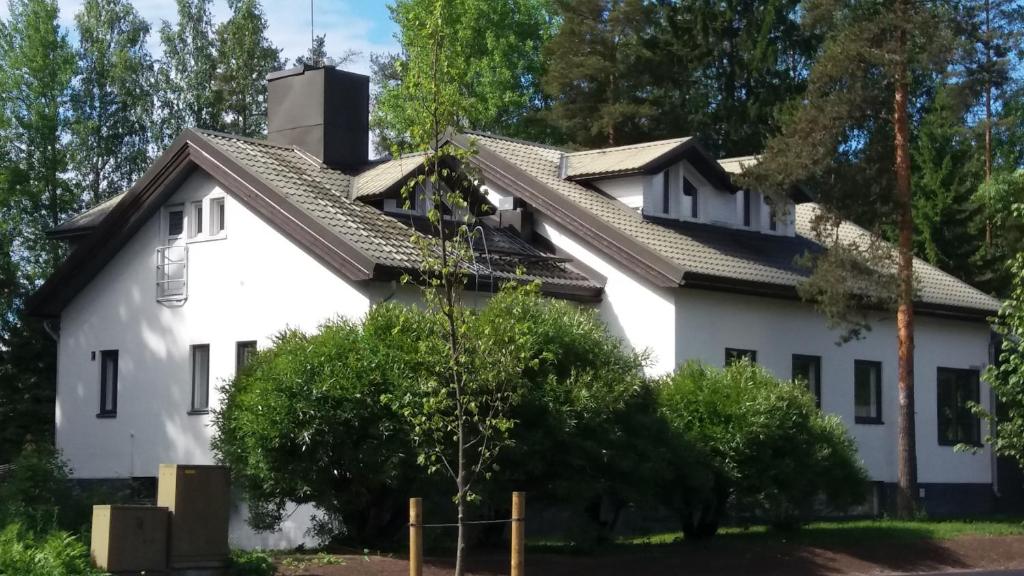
(324, 111)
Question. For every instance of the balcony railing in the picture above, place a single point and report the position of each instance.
(172, 273)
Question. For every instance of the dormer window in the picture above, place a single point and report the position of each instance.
(196, 219)
(690, 191)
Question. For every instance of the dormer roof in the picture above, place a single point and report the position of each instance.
(644, 158)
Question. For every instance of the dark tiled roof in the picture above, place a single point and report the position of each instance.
(709, 251)
(88, 219)
(618, 160)
(385, 176)
(323, 193)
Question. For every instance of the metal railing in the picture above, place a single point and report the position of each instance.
(172, 273)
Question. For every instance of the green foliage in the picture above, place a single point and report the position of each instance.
(244, 58)
(1006, 376)
(772, 449)
(36, 68)
(53, 554)
(623, 71)
(331, 418)
(112, 99)
(304, 423)
(999, 203)
(186, 73)
(36, 494)
(491, 51)
(251, 563)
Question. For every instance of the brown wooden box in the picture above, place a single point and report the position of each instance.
(198, 498)
(129, 539)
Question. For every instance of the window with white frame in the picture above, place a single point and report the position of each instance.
(195, 219)
(200, 379)
(216, 216)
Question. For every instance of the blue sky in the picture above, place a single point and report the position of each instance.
(362, 25)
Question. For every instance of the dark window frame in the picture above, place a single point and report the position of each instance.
(816, 360)
(746, 208)
(241, 359)
(690, 189)
(666, 191)
(104, 413)
(180, 224)
(975, 377)
(734, 354)
(877, 418)
(193, 409)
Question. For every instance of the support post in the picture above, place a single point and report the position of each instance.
(518, 534)
(415, 537)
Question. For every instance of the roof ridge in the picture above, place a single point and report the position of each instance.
(650, 144)
(259, 141)
(516, 140)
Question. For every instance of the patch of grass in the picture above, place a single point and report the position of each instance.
(853, 531)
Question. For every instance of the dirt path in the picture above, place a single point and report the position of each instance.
(756, 558)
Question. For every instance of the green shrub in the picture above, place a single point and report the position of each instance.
(251, 563)
(315, 418)
(37, 493)
(304, 423)
(23, 553)
(774, 453)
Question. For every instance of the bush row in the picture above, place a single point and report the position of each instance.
(314, 419)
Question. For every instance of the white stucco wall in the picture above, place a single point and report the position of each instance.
(709, 322)
(639, 313)
(246, 286)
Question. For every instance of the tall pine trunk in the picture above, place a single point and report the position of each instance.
(907, 444)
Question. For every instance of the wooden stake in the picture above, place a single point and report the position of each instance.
(415, 537)
(519, 534)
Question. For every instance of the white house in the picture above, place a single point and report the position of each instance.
(227, 240)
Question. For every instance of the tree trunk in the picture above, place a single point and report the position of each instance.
(907, 450)
(988, 123)
(460, 544)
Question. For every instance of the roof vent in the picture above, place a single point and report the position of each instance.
(324, 111)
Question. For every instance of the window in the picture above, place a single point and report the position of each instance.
(666, 191)
(746, 208)
(733, 355)
(867, 392)
(957, 425)
(216, 216)
(175, 222)
(243, 354)
(807, 369)
(195, 221)
(690, 191)
(200, 378)
(108, 384)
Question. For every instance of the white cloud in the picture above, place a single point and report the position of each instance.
(360, 25)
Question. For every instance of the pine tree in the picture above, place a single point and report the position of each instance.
(947, 172)
(848, 139)
(187, 73)
(596, 75)
(244, 58)
(112, 99)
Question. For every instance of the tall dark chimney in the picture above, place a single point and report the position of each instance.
(324, 111)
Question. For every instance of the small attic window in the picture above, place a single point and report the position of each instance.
(175, 222)
(690, 191)
(746, 208)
